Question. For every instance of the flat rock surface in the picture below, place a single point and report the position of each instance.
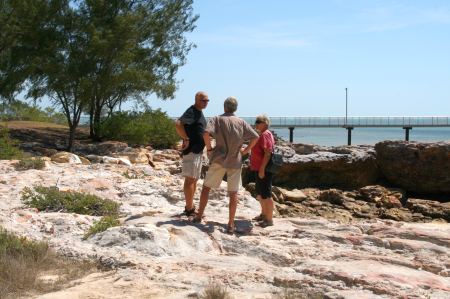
(156, 253)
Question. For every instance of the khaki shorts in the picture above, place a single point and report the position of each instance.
(192, 165)
(215, 174)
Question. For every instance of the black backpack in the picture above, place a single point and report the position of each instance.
(275, 162)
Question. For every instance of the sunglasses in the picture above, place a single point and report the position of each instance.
(204, 101)
(258, 122)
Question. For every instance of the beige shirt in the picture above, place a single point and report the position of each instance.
(230, 133)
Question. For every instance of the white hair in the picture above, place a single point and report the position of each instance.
(230, 104)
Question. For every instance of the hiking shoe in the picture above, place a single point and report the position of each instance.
(266, 223)
(260, 217)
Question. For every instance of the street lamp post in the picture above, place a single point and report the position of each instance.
(346, 106)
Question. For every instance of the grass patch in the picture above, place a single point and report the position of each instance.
(8, 147)
(134, 174)
(215, 290)
(23, 263)
(30, 163)
(100, 226)
(288, 293)
(52, 199)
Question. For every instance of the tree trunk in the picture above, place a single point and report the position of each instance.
(96, 125)
(91, 122)
(72, 129)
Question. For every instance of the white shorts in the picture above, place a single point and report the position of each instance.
(215, 175)
(192, 165)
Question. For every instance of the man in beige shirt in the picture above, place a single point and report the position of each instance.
(230, 133)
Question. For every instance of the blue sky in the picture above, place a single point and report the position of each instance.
(296, 57)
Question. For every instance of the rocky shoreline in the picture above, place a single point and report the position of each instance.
(359, 239)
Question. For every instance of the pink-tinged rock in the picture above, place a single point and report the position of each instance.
(65, 157)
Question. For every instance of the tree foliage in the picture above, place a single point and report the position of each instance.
(92, 55)
(151, 127)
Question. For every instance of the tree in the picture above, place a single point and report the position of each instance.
(92, 55)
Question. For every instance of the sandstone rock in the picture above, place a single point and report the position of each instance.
(85, 161)
(396, 214)
(333, 196)
(345, 168)
(65, 157)
(164, 155)
(429, 208)
(95, 158)
(121, 160)
(292, 195)
(157, 253)
(108, 147)
(48, 152)
(306, 149)
(382, 197)
(135, 156)
(422, 168)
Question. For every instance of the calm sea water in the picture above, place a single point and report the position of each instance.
(338, 136)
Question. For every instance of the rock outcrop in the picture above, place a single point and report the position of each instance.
(158, 253)
(341, 167)
(422, 168)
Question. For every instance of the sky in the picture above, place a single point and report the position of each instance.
(296, 57)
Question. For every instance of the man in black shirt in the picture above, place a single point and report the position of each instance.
(191, 126)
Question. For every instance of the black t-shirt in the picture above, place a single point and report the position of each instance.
(194, 124)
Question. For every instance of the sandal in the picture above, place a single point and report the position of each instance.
(190, 212)
(266, 223)
(260, 217)
(197, 219)
(231, 229)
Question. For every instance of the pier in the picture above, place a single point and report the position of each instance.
(407, 123)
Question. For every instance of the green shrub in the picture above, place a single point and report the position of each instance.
(8, 147)
(215, 290)
(18, 110)
(51, 199)
(152, 127)
(30, 163)
(22, 261)
(103, 224)
(20, 246)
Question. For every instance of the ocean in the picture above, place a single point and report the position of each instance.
(369, 136)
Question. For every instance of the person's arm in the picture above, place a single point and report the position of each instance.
(265, 161)
(207, 134)
(207, 140)
(249, 147)
(179, 127)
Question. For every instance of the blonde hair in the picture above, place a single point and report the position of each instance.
(263, 118)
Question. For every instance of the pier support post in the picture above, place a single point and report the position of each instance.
(407, 132)
(291, 134)
(349, 135)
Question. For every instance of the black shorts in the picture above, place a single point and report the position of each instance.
(263, 186)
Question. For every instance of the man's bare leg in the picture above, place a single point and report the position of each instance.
(203, 202)
(269, 209)
(232, 208)
(190, 185)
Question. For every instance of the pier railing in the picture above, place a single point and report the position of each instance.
(350, 123)
(363, 121)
